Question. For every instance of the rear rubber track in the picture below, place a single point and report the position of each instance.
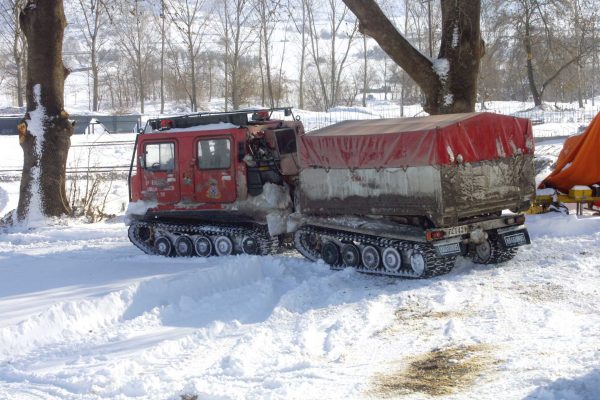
(308, 240)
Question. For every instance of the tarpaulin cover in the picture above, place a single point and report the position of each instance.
(579, 161)
(404, 142)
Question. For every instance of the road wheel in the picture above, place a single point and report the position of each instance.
(184, 247)
(418, 264)
(250, 245)
(203, 246)
(350, 255)
(223, 246)
(331, 254)
(371, 257)
(392, 260)
(163, 246)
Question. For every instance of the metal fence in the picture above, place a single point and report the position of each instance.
(85, 124)
(557, 120)
(554, 120)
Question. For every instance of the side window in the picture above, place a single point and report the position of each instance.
(214, 154)
(160, 156)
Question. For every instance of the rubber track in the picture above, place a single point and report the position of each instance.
(268, 244)
(435, 265)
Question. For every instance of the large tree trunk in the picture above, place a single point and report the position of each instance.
(45, 132)
(450, 82)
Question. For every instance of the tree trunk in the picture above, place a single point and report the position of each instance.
(45, 132)
(194, 95)
(94, 76)
(579, 89)
(365, 66)
(267, 55)
(302, 57)
(19, 67)
(263, 93)
(162, 59)
(18, 55)
(210, 79)
(537, 97)
(449, 84)
(139, 61)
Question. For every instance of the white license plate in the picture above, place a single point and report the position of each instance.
(457, 230)
(515, 240)
(448, 249)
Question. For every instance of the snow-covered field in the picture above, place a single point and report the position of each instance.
(85, 315)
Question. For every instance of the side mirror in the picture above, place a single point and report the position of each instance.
(287, 112)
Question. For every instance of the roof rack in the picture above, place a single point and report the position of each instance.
(239, 117)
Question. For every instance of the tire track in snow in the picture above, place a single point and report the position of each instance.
(206, 301)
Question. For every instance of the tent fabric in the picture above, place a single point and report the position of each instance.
(408, 142)
(579, 161)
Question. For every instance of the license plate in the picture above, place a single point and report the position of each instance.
(515, 239)
(448, 249)
(457, 230)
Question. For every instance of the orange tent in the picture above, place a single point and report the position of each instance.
(579, 161)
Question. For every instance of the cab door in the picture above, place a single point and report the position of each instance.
(160, 176)
(214, 178)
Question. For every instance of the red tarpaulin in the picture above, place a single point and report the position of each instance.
(404, 142)
(579, 161)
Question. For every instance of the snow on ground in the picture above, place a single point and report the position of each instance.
(86, 315)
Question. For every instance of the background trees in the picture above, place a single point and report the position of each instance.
(93, 20)
(309, 53)
(12, 48)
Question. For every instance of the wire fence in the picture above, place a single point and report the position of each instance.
(549, 121)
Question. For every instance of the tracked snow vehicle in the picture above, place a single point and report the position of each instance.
(397, 197)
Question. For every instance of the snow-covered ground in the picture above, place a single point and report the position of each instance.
(83, 314)
(86, 315)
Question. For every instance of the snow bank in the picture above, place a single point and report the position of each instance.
(557, 225)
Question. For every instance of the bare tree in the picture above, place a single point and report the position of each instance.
(365, 72)
(326, 46)
(45, 131)
(11, 34)
(236, 27)
(163, 33)
(301, 24)
(449, 82)
(190, 21)
(268, 12)
(93, 19)
(136, 39)
(549, 48)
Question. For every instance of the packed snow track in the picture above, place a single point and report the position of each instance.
(85, 315)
